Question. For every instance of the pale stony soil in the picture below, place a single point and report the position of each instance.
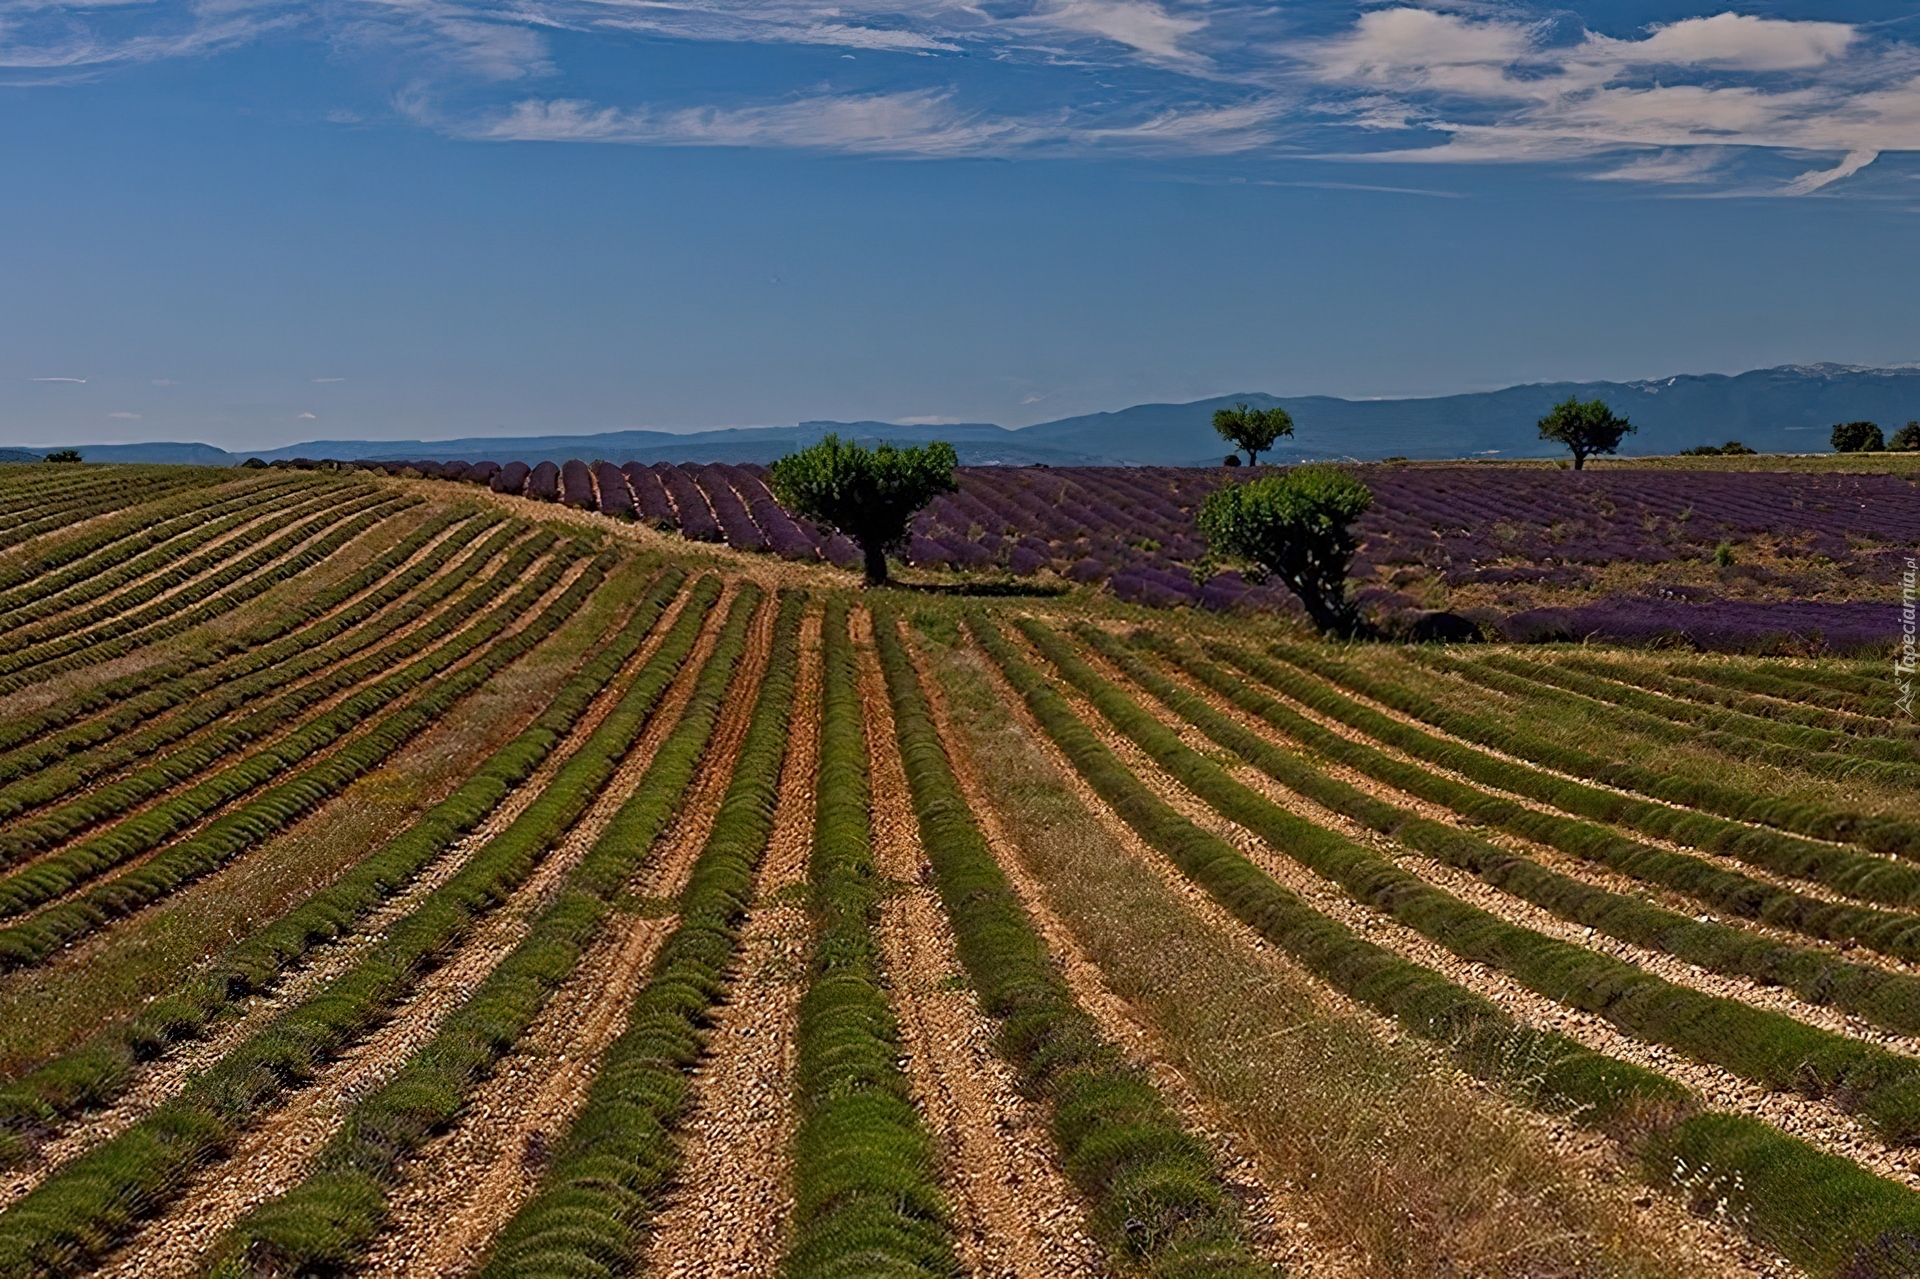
(1709, 1246)
(1017, 1213)
(517, 625)
(1816, 1121)
(273, 1157)
(464, 1187)
(727, 1212)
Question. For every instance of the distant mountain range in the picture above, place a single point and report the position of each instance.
(1780, 410)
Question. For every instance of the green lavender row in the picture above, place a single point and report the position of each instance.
(1826, 1213)
(81, 1212)
(866, 1196)
(59, 873)
(609, 1169)
(161, 499)
(1887, 999)
(325, 1222)
(1752, 705)
(168, 769)
(101, 1068)
(1158, 1203)
(1858, 875)
(35, 939)
(1769, 1048)
(171, 682)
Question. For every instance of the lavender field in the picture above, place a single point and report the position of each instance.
(1719, 559)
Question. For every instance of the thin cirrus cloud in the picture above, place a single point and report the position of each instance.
(1675, 106)
(77, 381)
(1716, 101)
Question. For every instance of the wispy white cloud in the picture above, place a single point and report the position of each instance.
(79, 380)
(1678, 103)
(125, 417)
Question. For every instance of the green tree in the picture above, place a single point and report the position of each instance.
(1252, 429)
(1906, 439)
(64, 455)
(1585, 428)
(1857, 437)
(1298, 526)
(871, 495)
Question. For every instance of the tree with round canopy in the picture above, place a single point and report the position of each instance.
(871, 495)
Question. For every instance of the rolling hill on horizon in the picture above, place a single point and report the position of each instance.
(1787, 409)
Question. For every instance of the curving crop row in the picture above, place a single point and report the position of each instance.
(20, 891)
(1859, 875)
(132, 699)
(650, 496)
(106, 500)
(326, 1221)
(1717, 723)
(140, 700)
(1891, 933)
(1553, 686)
(33, 940)
(1770, 1048)
(1751, 704)
(101, 1068)
(741, 532)
(1158, 1203)
(1887, 999)
(1826, 1213)
(697, 523)
(1819, 821)
(71, 1220)
(323, 512)
(616, 1158)
(866, 1197)
(1751, 679)
(131, 557)
(125, 522)
(207, 599)
(23, 501)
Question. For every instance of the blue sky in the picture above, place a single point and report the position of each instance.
(251, 223)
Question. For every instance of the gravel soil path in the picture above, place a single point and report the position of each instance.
(166, 1076)
(273, 1157)
(1017, 1212)
(1704, 1247)
(470, 1181)
(728, 1210)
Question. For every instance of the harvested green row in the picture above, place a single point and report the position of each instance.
(50, 877)
(155, 483)
(1893, 934)
(1546, 686)
(1859, 701)
(75, 1217)
(24, 502)
(210, 597)
(326, 1222)
(1851, 727)
(1159, 1205)
(1887, 999)
(866, 1195)
(99, 1070)
(171, 768)
(1769, 1048)
(610, 1168)
(129, 559)
(34, 940)
(1826, 1213)
(1820, 821)
(1669, 713)
(96, 747)
(171, 683)
(1858, 875)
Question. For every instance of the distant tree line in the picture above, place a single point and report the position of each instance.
(1865, 437)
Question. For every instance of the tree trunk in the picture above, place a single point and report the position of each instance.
(1579, 460)
(876, 565)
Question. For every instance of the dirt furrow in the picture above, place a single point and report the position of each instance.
(519, 623)
(165, 1077)
(1565, 863)
(727, 1212)
(271, 1158)
(470, 1181)
(1515, 910)
(1816, 1121)
(1709, 1247)
(1017, 1212)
